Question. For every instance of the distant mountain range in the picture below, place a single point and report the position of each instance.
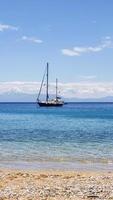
(23, 97)
(102, 99)
(17, 97)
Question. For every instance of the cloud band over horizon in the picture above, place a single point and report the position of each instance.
(67, 90)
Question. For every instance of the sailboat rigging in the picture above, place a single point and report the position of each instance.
(49, 102)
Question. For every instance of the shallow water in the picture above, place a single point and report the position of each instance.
(75, 133)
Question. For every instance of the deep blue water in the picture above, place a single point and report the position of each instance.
(75, 132)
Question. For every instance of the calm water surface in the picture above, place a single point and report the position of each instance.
(76, 132)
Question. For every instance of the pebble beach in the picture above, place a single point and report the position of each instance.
(55, 185)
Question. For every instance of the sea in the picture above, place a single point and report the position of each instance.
(75, 136)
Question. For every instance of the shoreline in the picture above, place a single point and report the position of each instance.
(55, 185)
(67, 166)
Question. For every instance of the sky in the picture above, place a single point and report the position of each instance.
(74, 36)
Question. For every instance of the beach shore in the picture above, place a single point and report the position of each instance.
(55, 185)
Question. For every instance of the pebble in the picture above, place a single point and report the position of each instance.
(55, 187)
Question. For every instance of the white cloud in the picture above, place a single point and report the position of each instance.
(79, 50)
(4, 27)
(108, 37)
(69, 52)
(67, 90)
(87, 89)
(32, 39)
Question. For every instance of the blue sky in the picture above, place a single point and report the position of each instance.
(74, 36)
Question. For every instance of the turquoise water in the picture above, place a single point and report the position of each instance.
(75, 133)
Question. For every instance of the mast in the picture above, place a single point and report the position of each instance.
(56, 87)
(41, 86)
(47, 95)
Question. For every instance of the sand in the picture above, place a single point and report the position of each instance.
(55, 185)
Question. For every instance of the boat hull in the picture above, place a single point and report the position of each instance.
(42, 104)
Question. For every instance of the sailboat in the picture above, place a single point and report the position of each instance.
(49, 102)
